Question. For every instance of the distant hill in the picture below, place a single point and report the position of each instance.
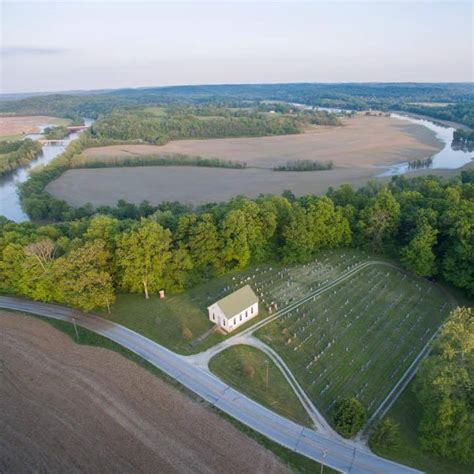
(448, 101)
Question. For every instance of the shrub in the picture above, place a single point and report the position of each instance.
(348, 416)
(385, 434)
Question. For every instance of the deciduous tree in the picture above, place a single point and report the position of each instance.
(142, 256)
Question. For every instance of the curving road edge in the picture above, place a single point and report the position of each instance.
(334, 453)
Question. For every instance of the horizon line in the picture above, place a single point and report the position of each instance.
(168, 86)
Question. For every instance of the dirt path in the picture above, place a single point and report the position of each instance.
(75, 408)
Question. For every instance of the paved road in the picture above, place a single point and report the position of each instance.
(339, 455)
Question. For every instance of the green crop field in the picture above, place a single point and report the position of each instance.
(359, 337)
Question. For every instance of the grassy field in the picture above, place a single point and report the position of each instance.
(294, 461)
(406, 413)
(360, 337)
(164, 320)
(277, 395)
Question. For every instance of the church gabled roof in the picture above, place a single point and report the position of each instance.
(237, 301)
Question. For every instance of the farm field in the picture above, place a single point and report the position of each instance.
(358, 338)
(196, 185)
(359, 151)
(139, 422)
(231, 365)
(363, 141)
(16, 126)
(164, 320)
(191, 185)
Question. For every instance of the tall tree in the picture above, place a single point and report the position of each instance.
(236, 249)
(418, 255)
(458, 261)
(349, 416)
(82, 278)
(205, 246)
(142, 256)
(379, 221)
(445, 388)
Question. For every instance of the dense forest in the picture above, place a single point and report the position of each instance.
(383, 96)
(17, 153)
(179, 123)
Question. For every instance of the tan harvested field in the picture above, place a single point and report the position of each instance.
(192, 185)
(195, 185)
(363, 142)
(72, 408)
(360, 150)
(28, 124)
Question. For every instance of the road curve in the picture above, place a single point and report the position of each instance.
(338, 455)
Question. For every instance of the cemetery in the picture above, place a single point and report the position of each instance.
(275, 285)
(359, 337)
(356, 338)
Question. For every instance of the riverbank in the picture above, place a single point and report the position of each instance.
(10, 206)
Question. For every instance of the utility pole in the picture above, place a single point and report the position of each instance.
(325, 452)
(266, 376)
(75, 327)
(353, 457)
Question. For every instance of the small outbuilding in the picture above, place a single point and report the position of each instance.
(235, 309)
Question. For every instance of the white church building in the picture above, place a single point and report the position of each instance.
(235, 309)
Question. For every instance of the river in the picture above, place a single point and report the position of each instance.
(446, 158)
(9, 200)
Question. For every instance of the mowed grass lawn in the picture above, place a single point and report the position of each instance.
(278, 396)
(406, 414)
(360, 337)
(163, 321)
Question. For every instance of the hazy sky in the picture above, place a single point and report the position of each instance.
(67, 45)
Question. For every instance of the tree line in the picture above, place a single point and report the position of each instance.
(17, 153)
(463, 139)
(425, 222)
(56, 133)
(203, 122)
(305, 165)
